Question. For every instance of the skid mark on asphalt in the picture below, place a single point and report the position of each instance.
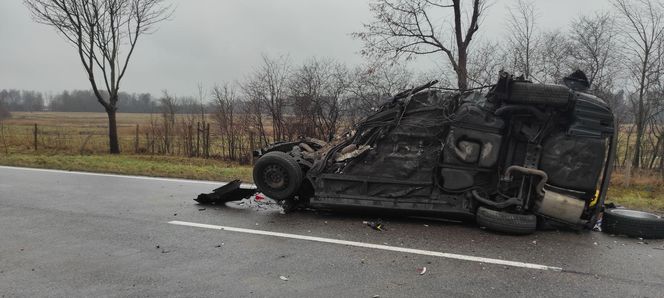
(373, 246)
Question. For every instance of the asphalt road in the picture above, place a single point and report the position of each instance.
(66, 234)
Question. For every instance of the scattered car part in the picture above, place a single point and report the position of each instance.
(422, 270)
(232, 191)
(517, 224)
(378, 226)
(633, 223)
(277, 175)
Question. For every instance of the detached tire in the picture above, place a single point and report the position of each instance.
(516, 224)
(277, 175)
(633, 223)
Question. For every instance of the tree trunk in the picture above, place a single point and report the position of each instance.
(462, 70)
(636, 159)
(113, 143)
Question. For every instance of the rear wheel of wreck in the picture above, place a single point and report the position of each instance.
(633, 223)
(516, 224)
(277, 175)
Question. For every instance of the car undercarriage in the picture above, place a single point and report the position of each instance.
(520, 154)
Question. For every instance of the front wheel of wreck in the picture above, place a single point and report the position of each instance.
(277, 175)
(508, 223)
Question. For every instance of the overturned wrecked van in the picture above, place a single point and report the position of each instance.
(519, 153)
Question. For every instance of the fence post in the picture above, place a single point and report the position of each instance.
(35, 137)
(198, 138)
(207, 141)
(251, 147)
(190, 141)
(136, 140)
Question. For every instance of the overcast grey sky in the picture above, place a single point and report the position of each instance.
(213, 41)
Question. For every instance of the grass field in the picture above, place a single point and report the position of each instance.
(87, 133)
(64, 134)
(156, 166)
(70, 132)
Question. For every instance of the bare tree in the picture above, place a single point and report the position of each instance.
(225, 117)
(594, 50)
(552, 58)
(105, 34)
(404, 28)
(485, 64)
(373, 83)
(268, 86)
(643, 38)
(169, 107)
(318, 88)
(252, 117)
(522, 37)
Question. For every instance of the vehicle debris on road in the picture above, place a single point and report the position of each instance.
(232, 191)
(422, 270)
(378, 226)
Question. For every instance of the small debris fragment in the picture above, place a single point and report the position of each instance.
(157, 246)
(535, 242)
(422, 270)
(659, 247)
(374, 225)
(375, 296)
(259, 197)
(283, 278)
(165, 251)
(598, 226)
(426, 226)
(201, 209)
(595, 243)
(175, 214)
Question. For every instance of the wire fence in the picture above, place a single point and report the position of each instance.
(193, 140)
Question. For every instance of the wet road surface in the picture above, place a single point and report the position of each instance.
(75, 234)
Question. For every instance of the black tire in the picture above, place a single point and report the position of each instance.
(277, 175)
(516, 224)
(529, 93)
(633, 223)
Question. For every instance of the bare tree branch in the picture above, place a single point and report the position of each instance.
(105, 34)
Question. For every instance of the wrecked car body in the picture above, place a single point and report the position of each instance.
(523, 152)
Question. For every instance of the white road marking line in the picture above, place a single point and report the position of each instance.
(122, 176)
(374, 246)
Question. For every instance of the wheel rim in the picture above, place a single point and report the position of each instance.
(275, 176)
(635, 214)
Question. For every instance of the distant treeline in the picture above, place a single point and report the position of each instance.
(73, 101)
